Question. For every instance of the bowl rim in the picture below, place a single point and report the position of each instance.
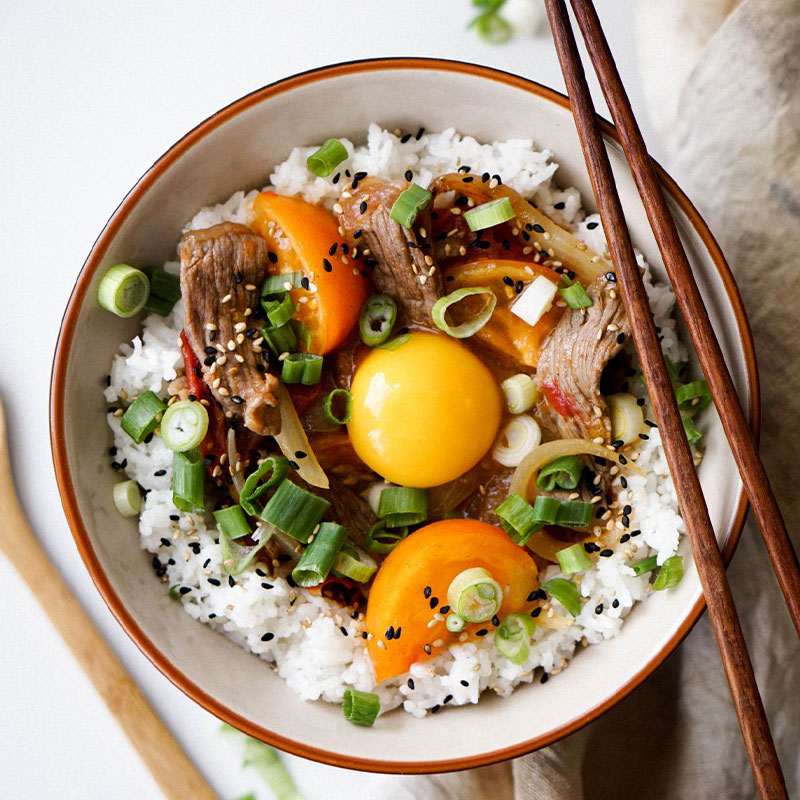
(67, 490)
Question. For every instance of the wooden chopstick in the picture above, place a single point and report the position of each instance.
(722, 612)
(754, 477)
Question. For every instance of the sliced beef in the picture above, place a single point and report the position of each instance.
(573, 358)
(401, 261)
(221, 270)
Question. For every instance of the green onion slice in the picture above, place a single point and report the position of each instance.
(692, 431)
(377, 319)
(280, 339)
(574, 294)
(491, 26)
(294, 510)
(403, 505)
(165, 291)
(267, 762)
(574, 514)
(142, 416)
(546, 510)
(302, 332)
(184, 425)
(236, 558)
(187, 480)
(325, 160)
(340, 397)
(573, 559)
(362, 708)
(354, 563)
(670, 573)
(320, 555)
(520, 391)
(470, 326)
(564, 471)
(232, 522)
(646, 565)
(393, 344)
(409, 203)
(253, 488)
(487, 215)
(123, 290)
(305, 368)
(693, 396)
(382, 540)
(518, 519)
(513, 638)
(566, 592)
(474, 595)
(275, 285)
(279, 309)
(127, 498)
(454, 623)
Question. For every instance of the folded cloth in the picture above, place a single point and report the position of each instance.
(734, 144)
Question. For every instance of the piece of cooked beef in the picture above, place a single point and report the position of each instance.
(571, 361)
(401, 259)
(221, 270)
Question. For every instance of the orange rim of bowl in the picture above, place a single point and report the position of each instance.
(64, 476)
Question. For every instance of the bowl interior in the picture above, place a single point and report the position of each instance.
(237, 149)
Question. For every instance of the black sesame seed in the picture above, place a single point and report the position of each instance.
(622, 459)
(538, 228)
(159, 473)
(174, 517)
(397, 632)
(171, 562)
(267, 637)
(326, 265)
(627, 509)
(266, 585)
(209, 360)
(402, 331)
(525, 236)
(419, 134)
(212, 615)
(435, 708)
(410, 684)
(231, 581)
(336, 177)
(447, 699)
(148, 438)
(124, 463)
(640, 401)
(389, 634)
(214, 582)
(294, 465)
(560, 205)
(345, 248)
(409, 175)
(465, 683)
(485, 177)
(590, 547)
(363, 207)
(464, 168)
(444, 609)
(206, 563)
(290, 580)
(427, 592)
(195, 547)
(600, 511)
(623, 481)
(591, 225)
(495, 621)
(332, 249)
(405, 138)
(598, 609)
(273, 257)
(343, 630)
(185, 589)
(611, 277)
(284, 557)
(434, 602)
(165, 542)
(508, 281)
(615, 604)
(617, 443)
(606, 553)
(300, 454)
(536, 611)
(545, 677)
(468, 179)
(519, 286)
(481, 632)
(357, 234)
(644, 436)
(305, 283)
(626, 520)
(637, 532)
(624, 538)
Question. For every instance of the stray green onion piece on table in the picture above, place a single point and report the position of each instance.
(142, 416)
(474, 321)
(361, 708)
(323, 161)
(487, 215)
(123, 290)
(408, 205)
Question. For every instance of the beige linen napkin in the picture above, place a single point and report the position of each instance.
(732, 127)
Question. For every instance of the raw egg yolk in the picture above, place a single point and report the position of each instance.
(425, 412)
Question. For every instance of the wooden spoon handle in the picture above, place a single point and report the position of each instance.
(173, 771)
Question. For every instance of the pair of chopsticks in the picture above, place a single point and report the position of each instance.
(721, 610)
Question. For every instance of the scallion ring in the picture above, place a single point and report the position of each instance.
(295, 511)
(521, 392)
(520, 437)
(325, 160)
(354, 563)
(305, 368)
(232, 522)
(403, 505)
(142, 416)
(627, 419)
(518, 518)
(184, 425)
(382, 540)
(513, 638)
(566, 592)
(564, 472)
(574, 294)
(123, 290)
(487, 215)
(470, 326)
(475, 595)
(320, 555)
(187, 480)
(693, 396)
(670, 573)
(377, 319)
(127, 498)
(361, 708)
(278, 308)
(277, 284)
(280, 339)
(408, 205)
(254, 487)
(343, 400)
(573, 559)
(454, 623)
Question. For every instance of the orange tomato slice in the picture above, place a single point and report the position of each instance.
(300, 235)
(505, 331)
(411, 586)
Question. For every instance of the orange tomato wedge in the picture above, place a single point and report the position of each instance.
(505, 331)
(411, 586)
(301, 234)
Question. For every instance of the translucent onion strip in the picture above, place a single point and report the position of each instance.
(293, 438)
(518, 439)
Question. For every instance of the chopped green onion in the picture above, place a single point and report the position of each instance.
(232, 522)
(454, 623)
(187, 480)
(403, 505)
(174, 591)
(184, 425)
(362, 708)
(253, 488)
(566, 592)
(334, 397)
(279, 309)
(520, 391)
(409, 203)
(280, 340)
(377, 319)
(627, 419)
(575, 514)
(672, 371)
(278, 284)
(692, 431)
(474, 595)
(325, 160)
(670, 573)
(302, 332)
(520, 436)
(573, 559)
(393, 344)
(305, 368)
(646, 565)
(492, 27)
(158, 305)
(267, 762)
(165, 291)
(142, 416)
(574, 294)
(693, 396)
(487, 215)
(127, 498)
(381, 539)
(320, 555)
(564, 471)
(294, 510)
(354, 563)
(236, 558)
(513, 638)
(517, 518)
(471, 326)
(123, 290)
(546, 509)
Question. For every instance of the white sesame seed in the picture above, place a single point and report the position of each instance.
(226, 299)
(251, 287)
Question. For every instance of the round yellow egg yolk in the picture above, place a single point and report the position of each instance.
(424, 413)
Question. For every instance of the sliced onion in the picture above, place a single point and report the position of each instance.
(526, 472)
(471, 326)
(292, 439)
(522, 435)
(233, 457)
(627, 419)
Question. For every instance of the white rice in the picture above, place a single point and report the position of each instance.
(303, 634)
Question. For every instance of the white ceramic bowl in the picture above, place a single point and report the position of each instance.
(237, 148)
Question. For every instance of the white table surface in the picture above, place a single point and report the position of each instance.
(91, 93)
